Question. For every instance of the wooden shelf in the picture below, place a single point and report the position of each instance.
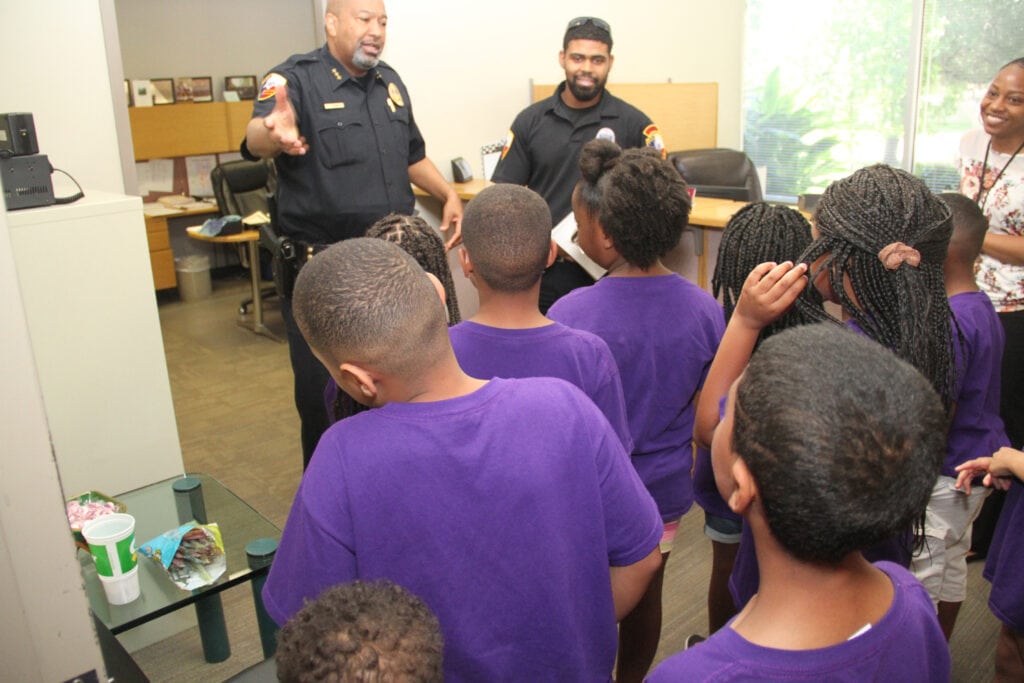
(180, 130)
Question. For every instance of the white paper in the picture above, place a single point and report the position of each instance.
(155, 175)
(198, 169)
(564, 235)
(158, 209)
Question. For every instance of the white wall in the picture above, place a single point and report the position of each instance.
(161, 39)
(45, 632)
(55, 66)
(467, 63)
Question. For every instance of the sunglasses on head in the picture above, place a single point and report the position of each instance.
(580, 21)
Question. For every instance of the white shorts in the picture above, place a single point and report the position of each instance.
(942, 564)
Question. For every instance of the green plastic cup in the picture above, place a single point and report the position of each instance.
(111, 540)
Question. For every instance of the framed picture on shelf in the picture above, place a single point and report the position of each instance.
(183, 89)
(245, 86)
(163, 90)
(202, 89)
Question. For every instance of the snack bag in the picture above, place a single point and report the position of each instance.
(192, 554)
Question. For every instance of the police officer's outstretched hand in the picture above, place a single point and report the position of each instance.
(282, 126)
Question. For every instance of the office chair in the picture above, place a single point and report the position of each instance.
(719, 172)
(241, 188)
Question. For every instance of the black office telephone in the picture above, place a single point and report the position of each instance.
(24, 173)
(461, 171)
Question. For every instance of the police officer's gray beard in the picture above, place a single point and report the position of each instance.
(363, 60)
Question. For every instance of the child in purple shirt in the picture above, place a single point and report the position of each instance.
(631, 208)
(506, 245)
(757, 233)
(508, 506)
(829, 443)
(976, 430)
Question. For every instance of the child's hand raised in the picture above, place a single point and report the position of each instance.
(768, 292)
(999, 470)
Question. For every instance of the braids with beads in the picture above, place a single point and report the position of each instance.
(757, 233)
(900, 303)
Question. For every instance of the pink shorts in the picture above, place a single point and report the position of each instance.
(668, 536)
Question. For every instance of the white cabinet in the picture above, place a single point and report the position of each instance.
(87, 287)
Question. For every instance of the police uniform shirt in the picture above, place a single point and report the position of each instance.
(542, 150)
(362, 139)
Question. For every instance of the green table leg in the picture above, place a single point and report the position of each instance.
(213, 632)
(260, 554)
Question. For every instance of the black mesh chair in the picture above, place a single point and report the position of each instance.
(242, 188)
(719, 172)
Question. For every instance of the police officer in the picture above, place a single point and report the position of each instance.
(339, 124)
(542, 149)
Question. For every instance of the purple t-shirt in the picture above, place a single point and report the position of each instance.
(977, 430)
(705, 489)
(554, 350)
(502, 509)
(663, 332)
(905, 645)
(1003, 567)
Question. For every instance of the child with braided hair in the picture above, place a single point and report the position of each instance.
(881, 238)
(881, 241)
(631, 207)
(757, 233)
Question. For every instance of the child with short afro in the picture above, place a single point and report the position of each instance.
(509, 505)
(829, 444)
(361, 631)
(506, 245)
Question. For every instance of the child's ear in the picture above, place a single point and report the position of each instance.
(605, 240)
(359, 384)
(434, 280)
(466, 263)
(745, 491)
(552, 253)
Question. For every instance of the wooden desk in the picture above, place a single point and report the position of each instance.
(251, 239)
(466, 191)
(161, 257)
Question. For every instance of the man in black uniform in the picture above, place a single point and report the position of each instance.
(339, 125)
(542, 149)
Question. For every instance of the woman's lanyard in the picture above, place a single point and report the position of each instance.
(981, 181)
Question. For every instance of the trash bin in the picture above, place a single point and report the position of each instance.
(193, 277)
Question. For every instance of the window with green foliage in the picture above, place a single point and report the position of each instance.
(832, 86)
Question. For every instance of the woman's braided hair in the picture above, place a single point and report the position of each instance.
(757, 233)
(900, 303)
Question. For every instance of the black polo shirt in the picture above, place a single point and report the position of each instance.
(542, 150)
(362, 139)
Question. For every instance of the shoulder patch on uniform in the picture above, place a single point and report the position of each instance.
(508, 143)
(652, 139)
(271, 82)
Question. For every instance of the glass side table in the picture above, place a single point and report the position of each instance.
(250, 541)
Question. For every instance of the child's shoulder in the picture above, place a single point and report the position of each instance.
(906, 643)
